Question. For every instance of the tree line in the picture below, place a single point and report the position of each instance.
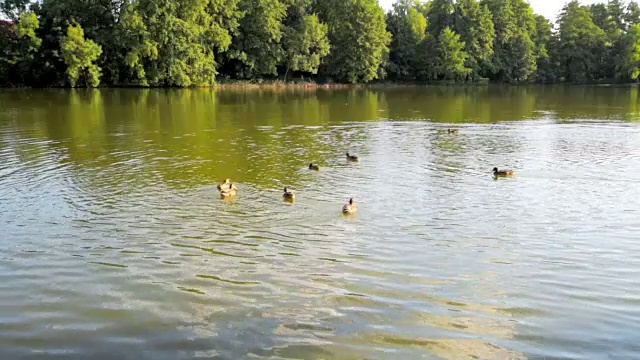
(199, 42)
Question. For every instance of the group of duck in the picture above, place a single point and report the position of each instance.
(228, 190)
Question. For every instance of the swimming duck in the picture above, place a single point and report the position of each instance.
(352, 158)
(497, 172)
(453, 131)
(314, 167)
(349, 208)
(288, 195)
(228, 191)
(226, 184)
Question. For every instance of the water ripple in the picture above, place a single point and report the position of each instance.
(114, 235)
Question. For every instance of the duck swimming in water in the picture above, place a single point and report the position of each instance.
(352, 158)
(228, 191)
(226, 184)
(497, 172)
(350, 207)
(288, 195)
(314, 167)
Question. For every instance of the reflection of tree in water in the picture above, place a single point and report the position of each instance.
(198, 136)
(589, 102)
(453, 104)
(496, 103)
(189, 137)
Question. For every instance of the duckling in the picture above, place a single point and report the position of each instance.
(497, 172)
(453, 131)
(288, 195)
(229, 191)
(350, 207)
(314, 167)
(352, 158)
(226, 184)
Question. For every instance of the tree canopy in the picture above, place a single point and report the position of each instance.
(358, 37)
(79, 55)
(198, 42)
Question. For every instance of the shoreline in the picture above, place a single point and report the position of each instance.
(310, 86)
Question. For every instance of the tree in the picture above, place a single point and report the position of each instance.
(171, 42)
(440, 16)
(615, 33)
(609, 17)
(544, 43)
(581, 41)
(475, 26)
(524, 57)
(359, 39)
(306, 44)
(616, 12)
(13, 9)
(628, 67)
(407, 26)
(79, 55)
(632, 16)
(600, 15)
(451, 56)
(18, 47)
(225, 21)
(100, 21)
(26, 29)
(256, 48)
(417, 24)
(514, 51)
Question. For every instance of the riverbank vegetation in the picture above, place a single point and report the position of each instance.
(200, 42)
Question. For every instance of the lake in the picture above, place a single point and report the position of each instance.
(115, 243)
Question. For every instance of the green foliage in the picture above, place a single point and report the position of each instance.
(628, 67)
(581, 40)
(408, 27)
(256, 49)
(306, 43)
(616, 12)
(544, 43)
(18, 47)
(514, 57)
(193, 42)
(417, 24)
(451, 56)
(13, 9)
(632, 16)
(79, 55)
(474, 24)
(358, 37)
(225, 20)
(610, 18)
(98, 18)
(27, 27)
(440, 16)
(171, 42)
(600, 15)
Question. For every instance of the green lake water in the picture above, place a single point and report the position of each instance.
(114, 243)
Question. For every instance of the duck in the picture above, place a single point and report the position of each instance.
(288, 195)
(314, 167)
(497, 172)
(352, 158)
(228, 191)
(226, 184)
(453, 131)
(350, 207)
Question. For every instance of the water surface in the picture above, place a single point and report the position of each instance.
(114, 243)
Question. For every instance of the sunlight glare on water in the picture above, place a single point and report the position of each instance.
(115, 243)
